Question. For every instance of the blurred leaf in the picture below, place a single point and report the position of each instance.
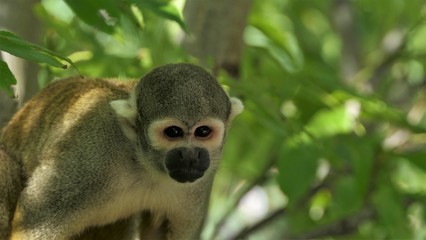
(256, 158)
(59, 9)
(390, 211)
(409, 178)
(283, 45)
(417, 158)
(102, 15)
(331, 122)
(7, 78)
(375, 109)
(279, 52)
(297, 170)
(319, 203)
(357, 153)
(346, 197)
(16, 46)
(362, 152)
(417, 40)
(164, 9)
(283, 38)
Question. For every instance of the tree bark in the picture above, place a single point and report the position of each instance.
(217, 28)
(344, 22)
(17, 16)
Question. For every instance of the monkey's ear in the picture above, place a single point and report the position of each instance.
(126, 113)
(124, 109)
(237, 107)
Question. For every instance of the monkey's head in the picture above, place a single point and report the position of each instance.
(181, 119)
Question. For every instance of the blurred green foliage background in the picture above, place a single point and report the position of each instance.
(332, 141)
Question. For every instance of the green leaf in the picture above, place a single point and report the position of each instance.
(362, 152)
(417, 158)
(409, 178)
(331, 122)
(297, 170)
(346, 197)
(163, 9)
(102, 15)
(16, 46)
(281, 53)
(6, 77)
(376, 109)
(391, 212)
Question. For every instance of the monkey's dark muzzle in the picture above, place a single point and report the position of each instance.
(187, 164)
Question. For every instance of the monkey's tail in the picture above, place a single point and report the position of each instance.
(11, 183)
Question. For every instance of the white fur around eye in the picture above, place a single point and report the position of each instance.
(214, 141)
(156, 135)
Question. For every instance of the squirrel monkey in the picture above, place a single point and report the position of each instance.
(86, 158)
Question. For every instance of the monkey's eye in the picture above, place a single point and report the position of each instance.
(173, 132)
(203, 131)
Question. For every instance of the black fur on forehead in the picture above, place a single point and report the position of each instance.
(183, 91)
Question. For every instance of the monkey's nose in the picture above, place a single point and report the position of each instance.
(187, 164)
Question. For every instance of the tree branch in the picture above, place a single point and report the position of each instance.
(342, 227)
(277, 213)
(262, 223)
(240, 194)
(217, 29)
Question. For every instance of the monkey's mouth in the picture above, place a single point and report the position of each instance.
(184, 175)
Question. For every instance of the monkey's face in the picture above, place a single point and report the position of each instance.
(188, 149)
(178, 115)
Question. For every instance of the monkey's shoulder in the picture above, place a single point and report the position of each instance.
(62, 105)
(80, 86)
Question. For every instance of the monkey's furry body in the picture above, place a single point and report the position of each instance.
(104, 159)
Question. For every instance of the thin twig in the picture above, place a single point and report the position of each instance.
(342, 227)
(239, 195)
(260, 224)
(277, 213)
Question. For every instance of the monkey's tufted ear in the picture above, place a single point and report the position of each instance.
(124, 109)
(237, 107)
(126, 113)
